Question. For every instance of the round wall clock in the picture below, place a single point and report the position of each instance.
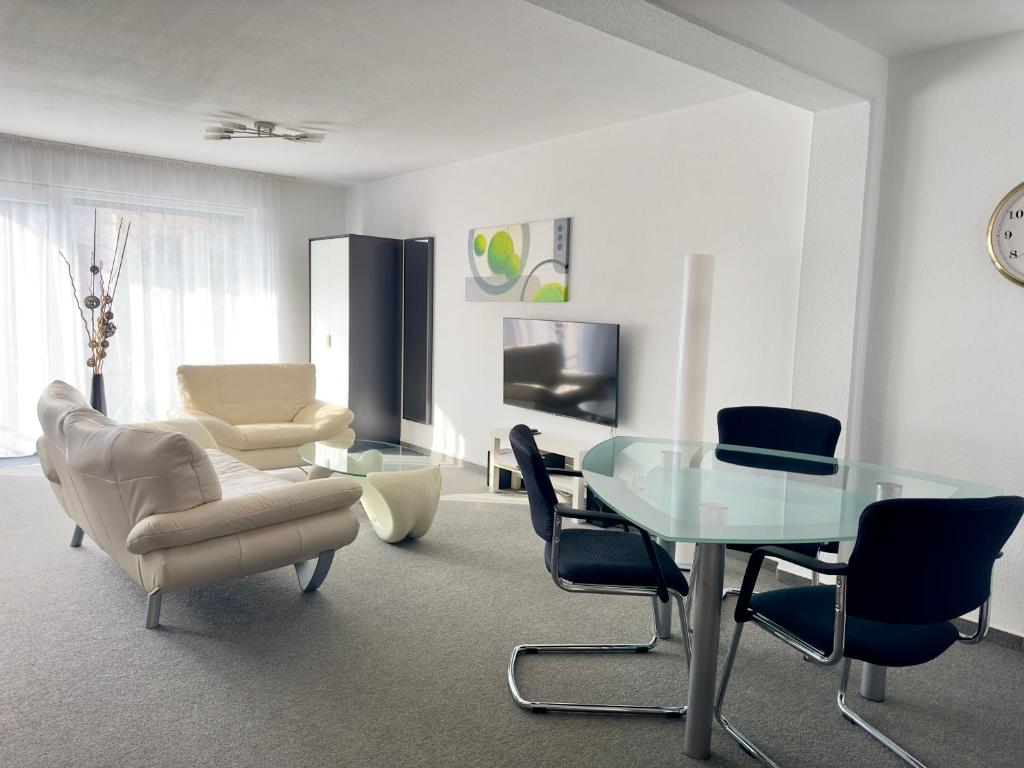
(1006, 235)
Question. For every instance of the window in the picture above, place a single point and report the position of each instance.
(197, 286)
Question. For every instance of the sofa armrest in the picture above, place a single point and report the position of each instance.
(327, 419)
(242, 513)
(45, 462)
(43, 449)
(223, 432)
(186, 426)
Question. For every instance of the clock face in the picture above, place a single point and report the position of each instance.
(1006, 235)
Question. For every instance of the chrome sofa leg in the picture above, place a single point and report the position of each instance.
(853, 717)
(748, 746)
(77, 536)
(312, 576)
(153, 603)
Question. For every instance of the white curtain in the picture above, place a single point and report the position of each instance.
(198, 283)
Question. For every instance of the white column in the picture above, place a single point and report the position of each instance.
(691, 377)
(692, 360)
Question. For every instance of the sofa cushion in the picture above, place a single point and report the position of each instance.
(221, 432)
(191, 427)
(260, 549)
(128, 471)
(252, 499)
(136, 471)
(254, 437)
(238, 478)
(248, 394)
(288, 435)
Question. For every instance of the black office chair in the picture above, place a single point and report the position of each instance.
(606, 562)
(780, 429)
(917, 565)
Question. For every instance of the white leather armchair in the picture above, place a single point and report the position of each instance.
(174, 511)
(261, 414)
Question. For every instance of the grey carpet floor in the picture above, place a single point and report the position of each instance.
(400, 660)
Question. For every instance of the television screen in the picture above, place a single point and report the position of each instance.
(569, 369)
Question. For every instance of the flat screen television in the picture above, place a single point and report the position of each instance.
(565, 368)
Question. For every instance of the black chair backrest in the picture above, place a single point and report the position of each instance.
(779, 429)
(920, 561)
(538, 483)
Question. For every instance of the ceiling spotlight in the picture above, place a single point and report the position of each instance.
(260, 129)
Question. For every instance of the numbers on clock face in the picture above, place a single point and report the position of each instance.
(1006, 235)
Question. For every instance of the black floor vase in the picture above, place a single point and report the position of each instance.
(98, 399)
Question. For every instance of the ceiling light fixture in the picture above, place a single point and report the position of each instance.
(260, 129)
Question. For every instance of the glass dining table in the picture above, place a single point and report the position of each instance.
(712, 495)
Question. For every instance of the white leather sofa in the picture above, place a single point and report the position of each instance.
(174, 511)
(261, 414)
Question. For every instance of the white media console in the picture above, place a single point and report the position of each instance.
(501, 458)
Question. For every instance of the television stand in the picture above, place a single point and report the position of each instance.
(501, 459)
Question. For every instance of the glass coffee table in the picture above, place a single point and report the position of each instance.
(401, 485)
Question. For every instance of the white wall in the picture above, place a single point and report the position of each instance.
(307, 210)
(727, 178)
(771, 48)
(943, 371)
(823, 364)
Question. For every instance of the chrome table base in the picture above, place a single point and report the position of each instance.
(706, 615)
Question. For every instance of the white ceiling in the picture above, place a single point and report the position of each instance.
(899, 27)
(399, 85)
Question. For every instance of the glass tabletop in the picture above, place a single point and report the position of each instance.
(713, 493)
(360, 457)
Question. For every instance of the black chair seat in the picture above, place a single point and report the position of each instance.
(809, 613)
(612, 558)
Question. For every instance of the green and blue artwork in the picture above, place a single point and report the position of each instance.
(519, 262)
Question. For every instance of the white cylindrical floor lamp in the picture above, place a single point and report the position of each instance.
(694, 335)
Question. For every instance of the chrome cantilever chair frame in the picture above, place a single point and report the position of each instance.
(815, 655)
(844, 678)
(853, 717)
(600, 589)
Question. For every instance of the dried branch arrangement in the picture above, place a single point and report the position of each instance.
(99, 301)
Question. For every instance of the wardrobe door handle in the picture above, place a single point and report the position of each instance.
(328, 341)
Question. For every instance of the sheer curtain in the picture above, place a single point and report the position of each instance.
(198, 284)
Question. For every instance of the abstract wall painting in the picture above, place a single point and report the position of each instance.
(519, 262)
